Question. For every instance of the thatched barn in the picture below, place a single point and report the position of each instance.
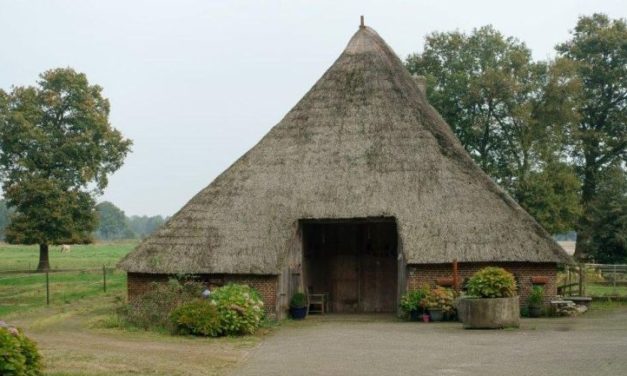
(362, 191)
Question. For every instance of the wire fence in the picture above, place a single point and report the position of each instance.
(26, 288)
(595, 280)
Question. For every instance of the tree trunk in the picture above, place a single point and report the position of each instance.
(44, 260)
(588, 191)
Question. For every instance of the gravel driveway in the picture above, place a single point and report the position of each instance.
(595, 344)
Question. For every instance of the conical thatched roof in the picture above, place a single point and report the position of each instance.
(363, 142)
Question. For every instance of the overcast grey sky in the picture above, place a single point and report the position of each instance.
(195, 84)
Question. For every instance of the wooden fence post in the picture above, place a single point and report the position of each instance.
(47, 289)
(614, 282)
(581, 274)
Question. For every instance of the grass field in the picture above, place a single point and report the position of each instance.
(25, 257)
(20, 292)
(593, 289)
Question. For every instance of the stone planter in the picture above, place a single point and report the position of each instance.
(494, 313)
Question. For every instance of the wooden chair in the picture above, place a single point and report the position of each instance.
(318, 303)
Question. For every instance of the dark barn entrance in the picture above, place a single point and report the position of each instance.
(354, 261)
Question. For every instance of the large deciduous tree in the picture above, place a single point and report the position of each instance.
(56, 150)
(508, 112)
(598, 51)
(608, 217)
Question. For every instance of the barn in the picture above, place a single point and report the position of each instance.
(360, 192)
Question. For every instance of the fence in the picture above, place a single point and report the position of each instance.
(596, 280)
(23, 289)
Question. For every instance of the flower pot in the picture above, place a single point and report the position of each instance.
(450, 316)
(298, 313)
(425, 317)
(415, 315)
(539, 280)
(436, 314)
(444, 281)
(535, 311)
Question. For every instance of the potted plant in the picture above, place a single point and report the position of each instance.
(412, 305)
(439, 302)
(298, 306)
(492, 301)
(535, 301)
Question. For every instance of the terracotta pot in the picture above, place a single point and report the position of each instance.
(425, 318)
(539, 280)
(444, 281)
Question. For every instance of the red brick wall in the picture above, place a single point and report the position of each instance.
(266, 285)
(418, 275)
(139, 283)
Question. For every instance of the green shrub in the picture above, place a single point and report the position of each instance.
(198, 317)
(492, 282)
(413, 300)
(536, 298)
(151, 310)
(299, 300)
(18, 354)
(240, 309)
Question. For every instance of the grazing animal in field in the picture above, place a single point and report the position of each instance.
(65, 248)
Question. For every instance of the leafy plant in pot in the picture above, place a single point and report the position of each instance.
(536, 301)
(439, 301)
(412, 303)
(298, 306)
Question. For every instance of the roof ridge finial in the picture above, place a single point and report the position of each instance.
(361, 22)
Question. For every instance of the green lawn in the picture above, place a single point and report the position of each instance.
(25, 257)
(593, 289)
(21, 292)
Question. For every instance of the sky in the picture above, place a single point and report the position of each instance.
(195, 84)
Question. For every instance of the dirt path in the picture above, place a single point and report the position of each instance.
(71, 345)
(590, 345)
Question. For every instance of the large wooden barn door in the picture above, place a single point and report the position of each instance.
(377, 265)
(355, 262)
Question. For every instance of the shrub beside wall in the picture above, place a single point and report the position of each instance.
(151, 310)
(198, 317)
(240, 309)
(233, 309)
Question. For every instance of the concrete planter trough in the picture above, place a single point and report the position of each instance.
(492, 313)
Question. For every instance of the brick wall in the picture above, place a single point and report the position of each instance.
(139, 283)
(417, 275)
(266, 285)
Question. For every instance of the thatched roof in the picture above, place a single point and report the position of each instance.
(363, 142)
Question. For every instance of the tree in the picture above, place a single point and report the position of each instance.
(608, 217)
(112, 222)
(508, 112)
(598, 51)
(4, 217)
(56, 150)
(144, 225)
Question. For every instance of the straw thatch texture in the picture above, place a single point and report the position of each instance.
(363, 142)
